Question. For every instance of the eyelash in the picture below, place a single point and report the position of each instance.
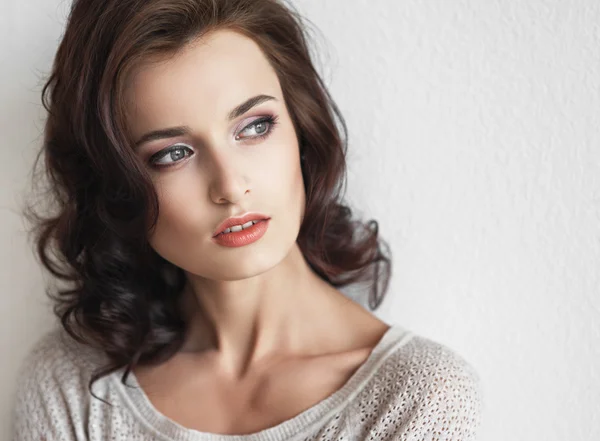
(271, 120)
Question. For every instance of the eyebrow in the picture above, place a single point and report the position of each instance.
(172, 132)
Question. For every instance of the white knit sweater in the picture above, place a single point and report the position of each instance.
(409, 388)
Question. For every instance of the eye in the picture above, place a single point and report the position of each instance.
(170, 156)
(261, 128)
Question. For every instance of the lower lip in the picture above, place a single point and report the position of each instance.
(244, 237)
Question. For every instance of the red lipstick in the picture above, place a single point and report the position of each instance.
(241, 230)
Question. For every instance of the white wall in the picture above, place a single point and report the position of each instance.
(29, 32)
(474, 141)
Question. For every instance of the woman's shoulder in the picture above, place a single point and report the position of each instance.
(56, 353)
(432, 361)
(423, 365)
(412, 355)
(52, 391)
(425, 386)
(57, 367)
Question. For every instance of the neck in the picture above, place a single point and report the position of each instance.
(245, 322)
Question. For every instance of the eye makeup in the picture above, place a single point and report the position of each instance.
(269, 121)
(262, 127)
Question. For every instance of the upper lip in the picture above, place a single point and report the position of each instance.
(238, 220)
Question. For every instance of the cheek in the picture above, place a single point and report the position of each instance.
(290, 187)
(282, 175)
(177, 215)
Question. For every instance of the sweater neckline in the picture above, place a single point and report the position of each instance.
(169, 430)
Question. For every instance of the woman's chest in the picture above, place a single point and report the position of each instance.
(205, 402)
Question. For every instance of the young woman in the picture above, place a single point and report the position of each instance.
(197, 172)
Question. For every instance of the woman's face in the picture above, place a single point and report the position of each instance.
(209, 162)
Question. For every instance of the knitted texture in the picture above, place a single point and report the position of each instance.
(410, 388)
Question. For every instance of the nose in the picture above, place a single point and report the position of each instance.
(227, 183)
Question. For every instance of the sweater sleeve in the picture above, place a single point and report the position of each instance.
(47, 405)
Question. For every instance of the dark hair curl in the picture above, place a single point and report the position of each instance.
(122, 296)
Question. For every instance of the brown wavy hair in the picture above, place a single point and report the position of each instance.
(121, 296)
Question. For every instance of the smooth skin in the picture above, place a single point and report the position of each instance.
(267, 337)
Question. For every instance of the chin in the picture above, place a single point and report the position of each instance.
(245, 262)
(245, 268)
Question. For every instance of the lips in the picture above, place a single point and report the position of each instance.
(239, 220)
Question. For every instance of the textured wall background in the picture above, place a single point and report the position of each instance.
(474, 141)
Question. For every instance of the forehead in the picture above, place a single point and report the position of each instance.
(203, 81)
